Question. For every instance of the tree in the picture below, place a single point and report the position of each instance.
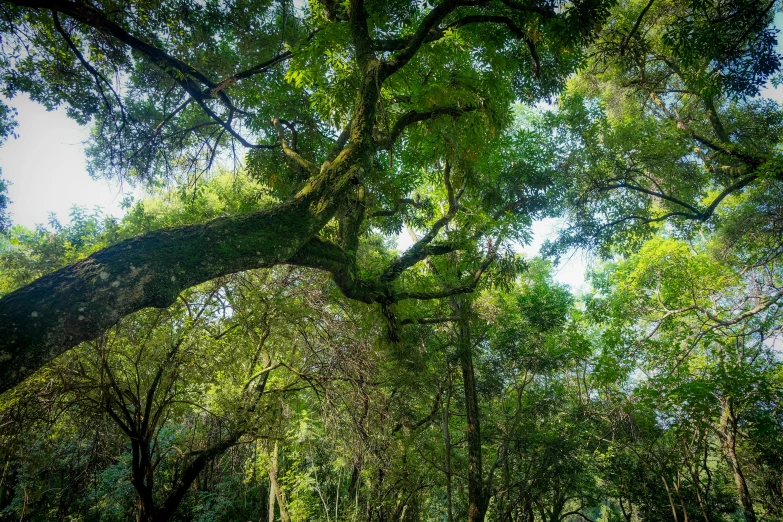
(699, 324)
(199, 80)
(665, 126)
(603, 407)
(176, 389)
(474, 387)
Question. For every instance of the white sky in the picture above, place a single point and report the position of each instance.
(46, 168)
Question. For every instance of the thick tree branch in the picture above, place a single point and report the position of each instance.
(411, 117)
(418, 252)
(77, 303)
(435, 34)
(421, 249)
(423, 32)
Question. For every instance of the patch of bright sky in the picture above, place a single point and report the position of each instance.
(46, 168)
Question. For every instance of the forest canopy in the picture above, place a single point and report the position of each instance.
(249, 342)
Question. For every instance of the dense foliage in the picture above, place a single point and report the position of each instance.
(249, 342)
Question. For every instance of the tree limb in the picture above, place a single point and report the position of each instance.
(78, 302)
(398, 206)
(467, 286)
(411, 117)
(419, 37)
(194, 82)
(635, 28)
(421, 249)
(297, 158)
(435, 34)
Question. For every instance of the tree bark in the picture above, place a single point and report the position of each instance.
(671, 500)
(77, 303)
(447, 446)
(275, 487)
(679, 496)
(271, 502)
(728, 438)
(142, 479)
(477, 494)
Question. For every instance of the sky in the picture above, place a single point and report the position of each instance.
(46, 167)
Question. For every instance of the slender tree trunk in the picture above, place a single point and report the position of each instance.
(477, 494)
(671, 500)
(271, 502)
(275, 486)
(697, 487)
(447, 445)
(728, 438)
(679, 496)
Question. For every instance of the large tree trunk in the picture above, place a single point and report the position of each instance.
(77, 303)
(142, 479)
(147, 512)
(728, 437)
